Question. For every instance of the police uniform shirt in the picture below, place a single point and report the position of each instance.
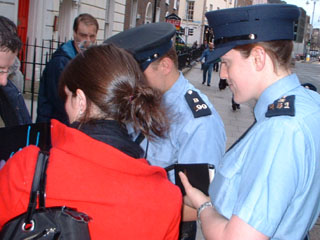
(190, 139)
(271, 178)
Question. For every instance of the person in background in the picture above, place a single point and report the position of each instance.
(13, 110)
(206, 67)
(234, 105)
(94, 166)
(195, 45)
(204, 45)
(196, 134)
(267, 185)
(50, 105)
(216, 66)
(309, 86)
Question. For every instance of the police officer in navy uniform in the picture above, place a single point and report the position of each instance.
(267, 184)
(197, 132)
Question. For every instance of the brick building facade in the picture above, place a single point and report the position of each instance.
(146, 11)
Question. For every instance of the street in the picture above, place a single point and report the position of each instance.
(308, 73)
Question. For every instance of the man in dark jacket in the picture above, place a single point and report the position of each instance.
(50, 105)
(13, 110)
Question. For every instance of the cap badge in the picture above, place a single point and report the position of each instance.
(252, 36)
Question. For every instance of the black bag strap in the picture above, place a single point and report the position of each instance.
(38, 185)
(139, 140)
(43, 180)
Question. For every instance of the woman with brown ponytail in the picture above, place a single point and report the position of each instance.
(94, 165)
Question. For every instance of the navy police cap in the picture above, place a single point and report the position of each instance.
(256, 23)
(146, 42)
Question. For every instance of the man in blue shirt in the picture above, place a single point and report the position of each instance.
(196, 134)
(207, 68)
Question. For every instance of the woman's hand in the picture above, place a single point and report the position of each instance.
(194, 197)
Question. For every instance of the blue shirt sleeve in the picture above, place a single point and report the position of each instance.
(271, 178)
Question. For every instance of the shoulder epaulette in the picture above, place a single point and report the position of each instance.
(281, 107)
(198, 107)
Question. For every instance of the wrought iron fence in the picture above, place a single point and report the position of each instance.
(33, 58)
(187, 55)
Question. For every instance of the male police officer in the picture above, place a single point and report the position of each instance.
(197, 132)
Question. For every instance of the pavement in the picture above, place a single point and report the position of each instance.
(235, 122)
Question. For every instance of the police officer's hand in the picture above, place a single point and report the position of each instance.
(194, 197)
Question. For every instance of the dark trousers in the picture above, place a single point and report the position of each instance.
(207, 69)
(235, 105)
(188, 230)
(216, 67)
(223, 84)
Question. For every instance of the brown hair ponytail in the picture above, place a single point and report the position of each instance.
(112, 80)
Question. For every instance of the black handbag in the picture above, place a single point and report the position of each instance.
(46, 223)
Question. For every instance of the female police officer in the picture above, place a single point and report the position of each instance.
(267, 184)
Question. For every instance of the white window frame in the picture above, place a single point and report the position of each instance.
(175, 5)
(134, 11)
(188, 10)
(148, 16)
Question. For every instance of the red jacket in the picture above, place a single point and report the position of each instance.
(126, 197)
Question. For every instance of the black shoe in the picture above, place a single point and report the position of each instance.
(203, 82)
(188, 231)
(238, 106)
(208, 85)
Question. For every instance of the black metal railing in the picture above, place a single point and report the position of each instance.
(33, 58)
(187, 55)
